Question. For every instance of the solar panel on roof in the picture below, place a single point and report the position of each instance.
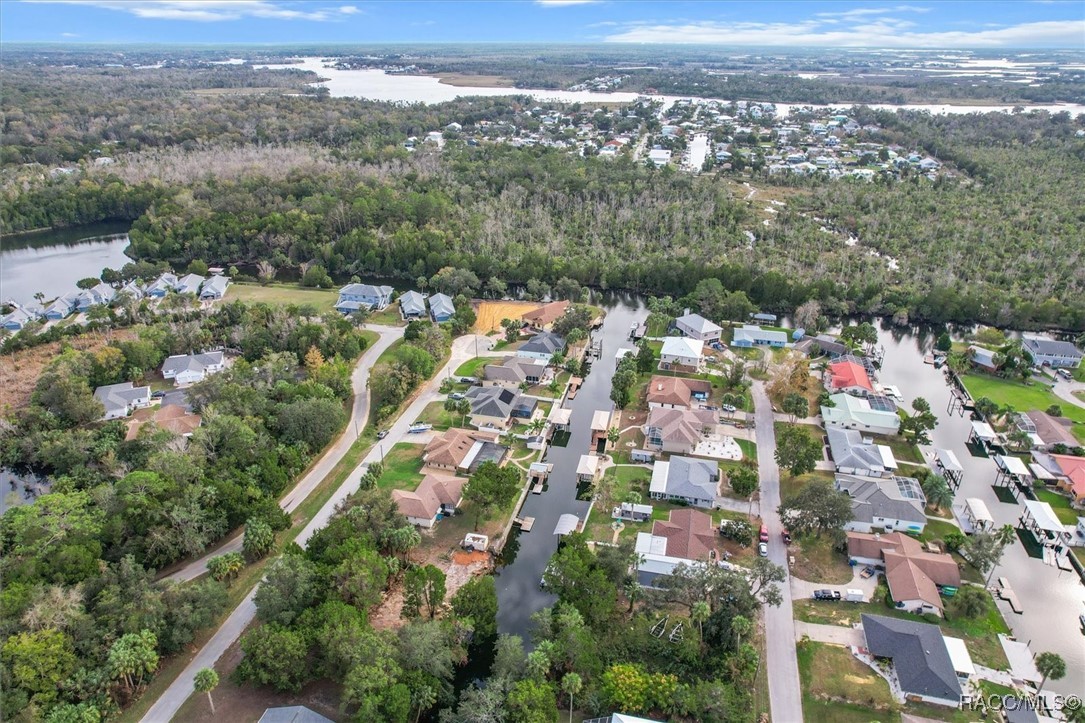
(882, 403)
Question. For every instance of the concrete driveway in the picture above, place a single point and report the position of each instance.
(832, 634)
(805, 589)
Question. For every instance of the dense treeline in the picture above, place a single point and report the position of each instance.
(80, 603)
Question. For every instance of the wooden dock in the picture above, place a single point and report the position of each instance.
(526, 523)
(537, 489)
(1006, 593)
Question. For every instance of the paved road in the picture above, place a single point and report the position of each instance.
(358, 416)
(1064, 388)
(785, 692)
(166, 707)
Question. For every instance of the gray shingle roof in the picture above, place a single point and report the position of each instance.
(492, 401)
(441, 305)
(849, 450)
(696, 478)
(115, 397)
(919, 655)
(191, 362)
(1050, 347)
(543, 343)
(872, 498)
(411, 302)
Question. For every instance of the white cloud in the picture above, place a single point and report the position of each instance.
(207, 10)
(863, 12)
(70, 35)
(880, 32)
(563, 3)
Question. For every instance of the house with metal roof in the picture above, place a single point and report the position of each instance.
(681, 353)
(751, 335)
(122, 399)
(363, 296)
(97, 296)
(441, 307)
(412, 305)
(888, 503)
(982, 358)
(875, 414)
(921, 659)
(696, 326)
(1046, 351)
(161, 286)
(215, 287)
(686, 479)
(186, 369)
(852, 454)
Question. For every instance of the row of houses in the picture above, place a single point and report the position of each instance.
(412, 304)
(123, 399)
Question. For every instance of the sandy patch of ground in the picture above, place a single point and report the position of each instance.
(459, 568)
(490, 313)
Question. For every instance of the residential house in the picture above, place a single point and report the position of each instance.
(914, 576)
(513, 372)
(685, 479)
(696, 326)
(189, 284)
(161, 286)
(186, 369)
(1048, 352)
(749, 335)
(825, 345)
(412, 305)
(850, 377)
(659, 156)
(496, 407)
(983, 358)
(680, 353)
(132, 289)
(292, 714)
(676, 392)
(1068, 472)
(853, 454)
(921, 659)
(875, 414)
(890, 503)
(215, 287)
(363, 296)
(62, 308)
(174, 418)
(122, 399)
(98, 295)
(435, 497)
(544, 317)
(678, 431)
(1046, 431)
(686, 538)
(441, 307)
(461, 450)
(542, 346)
(20, 317)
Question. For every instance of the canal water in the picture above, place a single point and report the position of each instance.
(52, 261)
(518, 592)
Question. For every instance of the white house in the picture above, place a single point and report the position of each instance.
(186, 369)
(1048, 352)
(215, 287)
(679, 351)
(543, 346)
(876, 415)
(120, 400)
(189, 284)
(696, 326)
(891, 504)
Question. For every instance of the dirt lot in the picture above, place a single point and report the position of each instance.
(459, 569)
(490, 313)
(18, 375)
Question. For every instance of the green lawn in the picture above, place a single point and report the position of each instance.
(837, 687)
(401, 467)
(323, 299)
(388, 316)
(473, 367)
(435, 414)
(937, 530)
(903, 450)
(1023, 397)
(817, 561)
(1061, 504)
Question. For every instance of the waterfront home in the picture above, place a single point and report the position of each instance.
(750, 335)
(543, 346)
(189, 284)
(513, 372)
(462, 450)
(822, 345)
(21, 316)
(62, 308)
(161, 286)
(681, 354)
(214, 288)
(1067, 471)
(132, 290)
(687, 537)
(921, 659)
(98, 295)
(122, 399)
(685, 479)
(1045, 431)
(496, 407)
(353, 297)
(874, 414)
(696, 326)
(853, 454)
(544, 317)
(1049, 352)
(435, 497)
(913, 575)
(676, 392)
(412, 305)
(889, 504)
(849, 376)
(186, 369)
(441, 307)
(982, 358)
(678, 431)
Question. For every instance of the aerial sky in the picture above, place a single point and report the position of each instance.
(902, 24)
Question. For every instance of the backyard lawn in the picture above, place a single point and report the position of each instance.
(435, 414)
(903, 450)
(473, 367)
(1061, 505)
(388, 316)
(837, 687)
(401, 467)
(323, 299)
(1023, 398)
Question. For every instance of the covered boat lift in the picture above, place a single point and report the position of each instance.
(567, 523)
(1012, 473)
(1041, 521)
(950, 466)
(975, 517)
(983, 435)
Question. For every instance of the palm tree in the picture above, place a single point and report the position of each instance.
(1051, 665)
(537, 425)
(205, 681)
(571, 685)
(937, 491)
(740, 626)
(1006, 535)
(698, 614)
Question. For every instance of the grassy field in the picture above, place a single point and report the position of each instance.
(435, 414)
(388, 316)
(817, 561)
(323, 299)
(473, 367)
(1061, 504)
(401, 467)
(837, 687)
(1023, 398)
(903, 450)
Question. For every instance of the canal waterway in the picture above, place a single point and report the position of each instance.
(51, 262)
(519, 595)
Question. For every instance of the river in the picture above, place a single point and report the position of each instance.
(51, 262)
(378, 85)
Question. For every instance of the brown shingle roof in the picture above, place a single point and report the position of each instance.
(171, 417)
(690, 534)
(675, 390)
(911, 573)
(450, 448)
(546, 314)
(1052, 430)
(681, 425)
(433, 491)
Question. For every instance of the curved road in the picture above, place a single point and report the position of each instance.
(785, 691)
(358, 416)
(463, 349)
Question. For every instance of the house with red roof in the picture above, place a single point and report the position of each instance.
(850, 378)
(1072, 480)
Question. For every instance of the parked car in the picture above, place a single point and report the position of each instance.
(456, 395)
(787, 537)
(382, 434)
(764, 536)
(1064, 374)
(867, 572)
(467, 380)
(158, 395)
(826, 594)
(763, 549)
(729, 408)
(710, 408)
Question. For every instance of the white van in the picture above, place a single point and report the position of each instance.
(854, 595)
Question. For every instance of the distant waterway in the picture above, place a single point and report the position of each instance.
(51, 262)
(377, 85)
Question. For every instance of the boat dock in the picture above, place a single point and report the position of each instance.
(537, 489)
(1006, 593)
(526, 523)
